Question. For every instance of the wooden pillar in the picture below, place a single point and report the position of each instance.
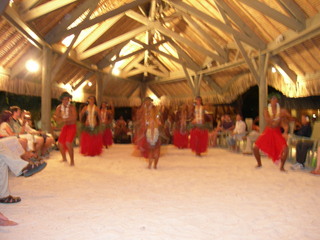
(263, 89)
(46, 89)
(99, 88)
(143, 91)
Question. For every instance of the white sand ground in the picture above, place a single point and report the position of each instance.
(114, 196)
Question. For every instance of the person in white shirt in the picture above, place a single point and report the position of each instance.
(238, 132)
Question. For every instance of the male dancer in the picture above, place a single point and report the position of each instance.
(66, 116)
(271, 141)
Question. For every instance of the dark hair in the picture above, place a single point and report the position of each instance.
(94, 98)
(65, 94)
(5, 116)
(14, 109)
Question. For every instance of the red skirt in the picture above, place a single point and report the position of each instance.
(272, 143)
(91, 144)
(107, 137)
(199, 140)
(180, 140)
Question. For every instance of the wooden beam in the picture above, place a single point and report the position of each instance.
(223, 6)
(56, 34)
(195, 27)
(45, 8)
(283, 68)
(114, 52)
(28, 4)
(3, 5)
(171, 34)
(293, 9)
(85, 78)
(13, 18)
(134, 62)
(4, 71)
(98, 32)
(111, 43)
(293, 38)
(94, 21)
(183, 7)
(289, 22)
(183, 55)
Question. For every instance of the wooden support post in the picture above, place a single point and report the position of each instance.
(143, 91)
(99, 88)
(46, 89)
(263, 89)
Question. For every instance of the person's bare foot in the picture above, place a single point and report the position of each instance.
(4, 221)
(282, 169)
(315, 172)
(259, 166)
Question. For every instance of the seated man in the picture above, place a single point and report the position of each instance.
(302, 147)
(252, 136)
(10, 157)
(45, 139)
(238, 132)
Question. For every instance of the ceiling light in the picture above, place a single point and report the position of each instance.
(273, 69)
(89, 84)
(32, 66)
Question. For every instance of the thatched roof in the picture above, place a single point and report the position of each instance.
(168, 48)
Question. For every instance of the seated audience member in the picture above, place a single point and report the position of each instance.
(317, 170)
(225, 127)
(4, 221)
(302, 146)
(19, 127)
(39, 136)
(11, 154)
(252, 136)
(238, 132)
(6, 130)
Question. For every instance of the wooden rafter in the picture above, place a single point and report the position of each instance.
(62, 34)
(113, 42)
(290, 22)
(183, 7)
(45, 8)
(158, 26)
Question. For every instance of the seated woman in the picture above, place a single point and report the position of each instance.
(223, 129)
(6, 130)
(317, 170)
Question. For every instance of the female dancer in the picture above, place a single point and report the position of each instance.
(106, 114)
(180, 136)
(91, 137)
(198, 134)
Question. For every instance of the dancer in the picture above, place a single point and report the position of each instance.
(153, 139)
(91, 136)
(106, 115)
(180, 136)
(198, 134)
(66, 116)
(142, 116)
(271, 141)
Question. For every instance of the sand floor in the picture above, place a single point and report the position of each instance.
(114, 196)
